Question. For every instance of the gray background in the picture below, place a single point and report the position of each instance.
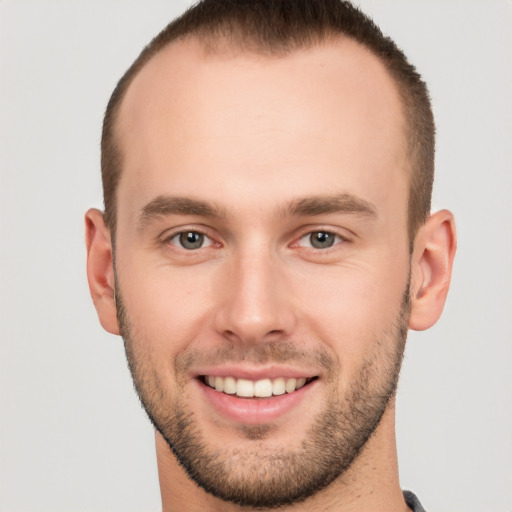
(72, 434)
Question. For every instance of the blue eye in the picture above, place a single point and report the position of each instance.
(191, 240)
(320, 240)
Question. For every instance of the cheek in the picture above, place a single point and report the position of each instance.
(351, 310)
(168, 309)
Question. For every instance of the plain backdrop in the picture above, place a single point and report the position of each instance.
(72, 434)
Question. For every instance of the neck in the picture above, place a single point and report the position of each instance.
(371, 483)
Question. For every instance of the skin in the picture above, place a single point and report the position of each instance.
(251, 135)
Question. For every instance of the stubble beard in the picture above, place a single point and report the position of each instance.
(263, 477)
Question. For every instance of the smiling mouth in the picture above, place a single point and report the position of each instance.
(263, 388)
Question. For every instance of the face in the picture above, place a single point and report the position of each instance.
(262, 261)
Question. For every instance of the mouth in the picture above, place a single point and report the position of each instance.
(250, 396)
(262, 388)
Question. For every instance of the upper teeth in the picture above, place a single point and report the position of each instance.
(260, 388)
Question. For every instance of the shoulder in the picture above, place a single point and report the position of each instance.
(413, 502)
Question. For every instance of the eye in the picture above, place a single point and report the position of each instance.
(320, 240)
(191, 240)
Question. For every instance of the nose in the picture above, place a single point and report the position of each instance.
(256, 300)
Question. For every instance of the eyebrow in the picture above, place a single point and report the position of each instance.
(323, 205)
(173, 205)
(305, 207)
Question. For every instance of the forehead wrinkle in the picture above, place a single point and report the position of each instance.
(331, 204)
(164, 205)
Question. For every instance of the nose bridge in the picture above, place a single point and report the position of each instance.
(256, 302)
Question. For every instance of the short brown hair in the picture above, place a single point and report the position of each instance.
(278, 27)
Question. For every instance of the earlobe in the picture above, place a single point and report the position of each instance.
(100, 269)
(434, 251)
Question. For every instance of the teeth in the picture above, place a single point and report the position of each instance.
(278, 386)
(300, 382)
(260, 388)
(263, 388)
(291, 385)
(244, 388)
(229, 385)
(219, 383)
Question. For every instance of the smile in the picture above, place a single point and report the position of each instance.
(252, 396)
(263, 388)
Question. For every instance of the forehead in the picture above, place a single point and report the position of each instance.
(191, 117)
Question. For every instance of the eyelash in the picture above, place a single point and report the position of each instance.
(338, 239)
(174, 239)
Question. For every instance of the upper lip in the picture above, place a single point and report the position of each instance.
(255, 373)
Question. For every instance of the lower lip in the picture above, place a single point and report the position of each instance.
(253, 411)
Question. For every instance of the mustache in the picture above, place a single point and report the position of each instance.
(257, 354)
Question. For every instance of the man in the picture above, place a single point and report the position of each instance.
(266, 244)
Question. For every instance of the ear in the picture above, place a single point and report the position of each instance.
(434, 250)
(100, 269)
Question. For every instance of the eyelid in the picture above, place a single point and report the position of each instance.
(169, 234)
(309, 230)
(175, 240)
